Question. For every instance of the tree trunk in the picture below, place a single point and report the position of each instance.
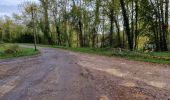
(166, 25)
(126, 25)
(47, 27)
(34, 29)
(80, 34)
(136, 24)
(111, 27)
(118, 32)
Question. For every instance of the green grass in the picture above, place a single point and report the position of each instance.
(153, 57)
(20, 53)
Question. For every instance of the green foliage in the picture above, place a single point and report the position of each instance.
(12, 50)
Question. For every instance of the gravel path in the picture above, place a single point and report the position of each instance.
(62, 75)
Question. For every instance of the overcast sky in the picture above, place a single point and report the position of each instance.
(7, 7)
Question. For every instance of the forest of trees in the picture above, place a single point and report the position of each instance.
(126, 24)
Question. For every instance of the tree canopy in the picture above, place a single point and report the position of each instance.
(126, 24)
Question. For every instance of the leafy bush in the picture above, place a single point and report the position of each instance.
(12, 49)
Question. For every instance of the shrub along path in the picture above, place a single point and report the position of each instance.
(62, 75)
(14, 50)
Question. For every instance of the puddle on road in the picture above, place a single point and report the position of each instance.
(141, 96)
(115, 72)
(157, 84)
(111, 71)
(103, 98)
(149, 73)
(128, 84)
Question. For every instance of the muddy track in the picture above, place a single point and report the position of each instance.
(61, 75)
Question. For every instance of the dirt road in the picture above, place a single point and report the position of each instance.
(62, 75)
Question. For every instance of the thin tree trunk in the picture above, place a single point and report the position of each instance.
(111, 27)
(34, 30)
(132, 22)
(118, 32)
(136, 24)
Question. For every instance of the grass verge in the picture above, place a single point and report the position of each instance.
(12, 51)
(153, 57)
